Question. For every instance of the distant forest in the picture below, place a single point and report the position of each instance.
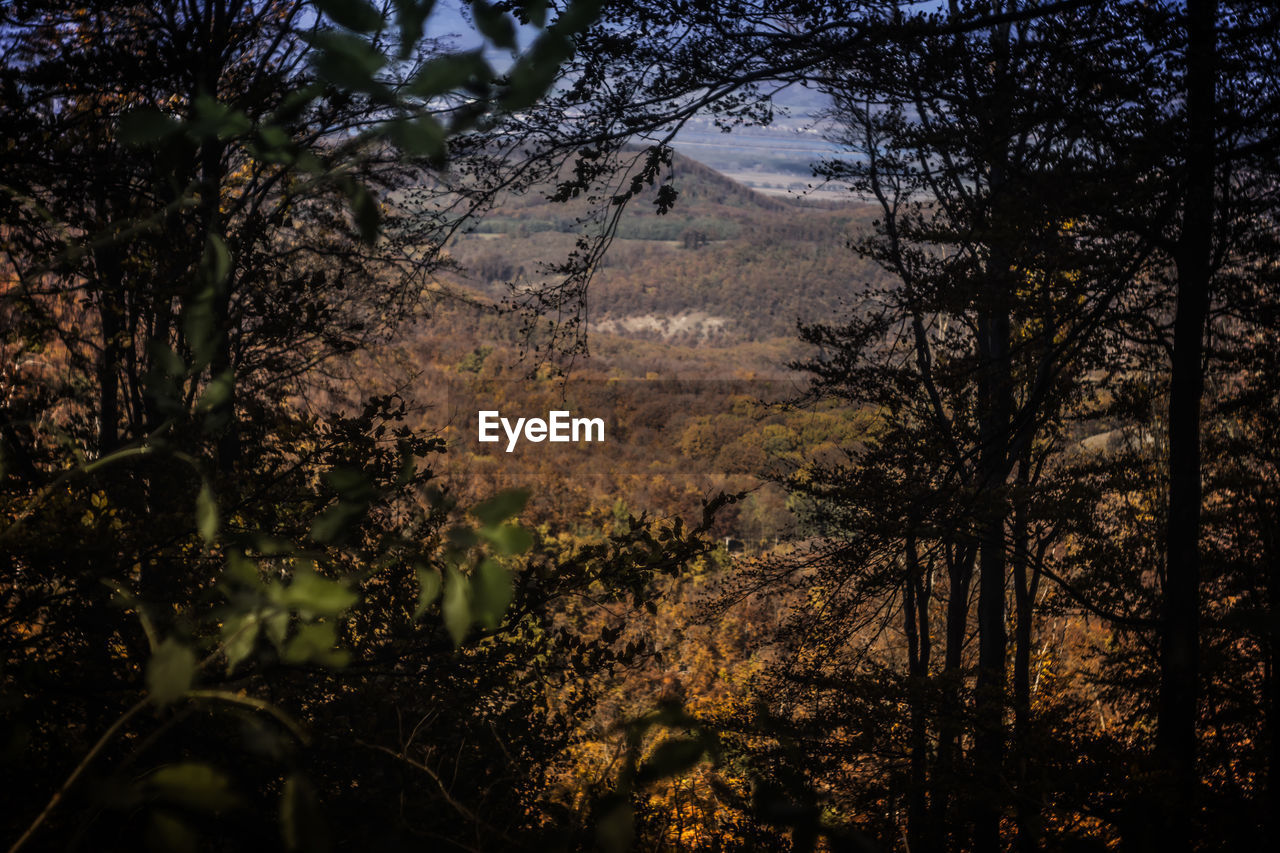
(758, 265)
(937, 511)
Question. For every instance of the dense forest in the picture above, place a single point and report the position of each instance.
(943, 517)
(725, 265)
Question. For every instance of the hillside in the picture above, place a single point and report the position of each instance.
(725, 266)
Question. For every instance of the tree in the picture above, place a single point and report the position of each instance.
(184, 178)
(986, 146)
(1219, 131)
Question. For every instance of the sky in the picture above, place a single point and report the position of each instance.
(774, 158)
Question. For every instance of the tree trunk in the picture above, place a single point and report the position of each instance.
(989, 734)
(1028, 808)
(1271, 559)
(916, 616)
(960, 574)
(992, 304)
(109, 363)
(212, 174)
(1179, 634)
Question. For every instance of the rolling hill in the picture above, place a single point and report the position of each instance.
(726, 266)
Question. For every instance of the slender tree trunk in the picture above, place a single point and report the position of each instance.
(1179, 635)
(916, 616)
(109, 365)
(1028, 810)
(1271, 559)
(212, 173)
(960, 574)
(992, 303)
(223, 415)
(989, 734)
(110, 295)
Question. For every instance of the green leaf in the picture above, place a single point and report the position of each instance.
(408, 469)
(146, 126)
(493, 24)
(164, 379)
(167, 360)
(306, 161)
(448, 73)
(460, 537)
(536, 12)
(537, 68)
(216, 262)
(242, 570)
(218, 391)
(456, 606)
(510, 539)
(170, 671)
(671, 758)
(200, 326)
(355, 15)
(294, 103)
(351, 484)
(501, 506)
(277, 623)
(273, 138)
(301, 819)
(207, 513)
(239, 634)
(421, 137)
(168, 833)
(535, 71)
(213, 119)
(492, 589)
(579, 15)
(429, 585)
(615, 828)
(272, 546)
(410, 16)
(334, 521)
(349, 62)
(328, 524)
(364, 209)
(194, 785)
(315, 595)
(316, 642)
